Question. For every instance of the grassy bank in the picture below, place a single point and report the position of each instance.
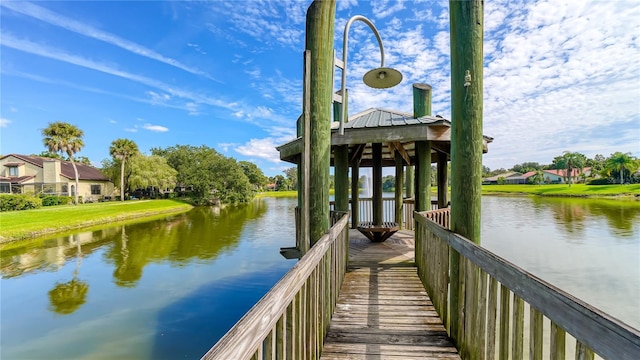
(279, 194)
(17, 225)
(576, 190)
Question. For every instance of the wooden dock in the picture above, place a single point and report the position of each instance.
(383, 311)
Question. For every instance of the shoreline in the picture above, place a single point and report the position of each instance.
(624, 197)
(123, 217)
(606, 192)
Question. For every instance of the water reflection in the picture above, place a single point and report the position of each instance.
(66, 298)
(587, 247)
(576, 215)
(120, 288)
(50, 254)
(201, 233)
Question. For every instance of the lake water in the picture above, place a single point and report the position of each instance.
(170, 288)
(162, 289)
(589, 248)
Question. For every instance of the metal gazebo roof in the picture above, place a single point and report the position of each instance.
(397, 131)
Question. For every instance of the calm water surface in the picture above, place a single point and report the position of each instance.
(170, 288)
(162, 289)
(587, 247)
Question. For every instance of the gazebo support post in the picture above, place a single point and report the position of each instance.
(341, 167)
(377, 183)
(355, 193)
(409, 182)
(423, 175)
(442, 180)
(422, 107)
(399, 188)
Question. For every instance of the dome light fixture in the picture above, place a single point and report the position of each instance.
(379, 78)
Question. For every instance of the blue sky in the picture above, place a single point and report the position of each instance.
(559, 75)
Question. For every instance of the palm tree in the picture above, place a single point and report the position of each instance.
(573, 160)
(67, 139)
(621, 162)
(123, 149)
(538, 177)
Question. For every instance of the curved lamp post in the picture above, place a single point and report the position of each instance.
(379, 78)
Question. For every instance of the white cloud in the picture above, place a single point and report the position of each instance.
(382, 8)
(225, 146)
(260, 148)
(197, 48)
(4, 122)
(131, 130)
(78, 27)
(159, 97)
(556, 77)
(345, 4)
(155, 128)
(270, 22)
(192, 108)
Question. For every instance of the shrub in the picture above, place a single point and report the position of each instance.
(11, 202)
(600, 181)
(53, 200)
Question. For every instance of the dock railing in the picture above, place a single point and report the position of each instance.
(388, 210)
(291, 320)
(491, 304)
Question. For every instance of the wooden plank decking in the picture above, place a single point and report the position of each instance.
(383, 311)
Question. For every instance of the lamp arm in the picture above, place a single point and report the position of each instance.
(344, 61)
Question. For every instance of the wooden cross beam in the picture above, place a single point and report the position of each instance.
(397, 146)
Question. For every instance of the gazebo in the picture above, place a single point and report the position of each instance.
(380, 138)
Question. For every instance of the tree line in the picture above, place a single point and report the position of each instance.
(618, 168)
(200, 174)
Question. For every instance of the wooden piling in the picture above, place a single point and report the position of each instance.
(319, 39)
(466, 24)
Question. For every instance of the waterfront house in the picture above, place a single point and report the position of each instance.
(560, 176)
(511, 177)
(34, 174)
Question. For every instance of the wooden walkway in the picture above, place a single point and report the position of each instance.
(383, 311)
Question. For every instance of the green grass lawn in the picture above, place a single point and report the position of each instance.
(16, 225)
(565, 190)
(292, 193)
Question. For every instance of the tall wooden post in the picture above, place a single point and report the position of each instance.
(319, 40)
(466, 24)
(399, 189)
(422, 107)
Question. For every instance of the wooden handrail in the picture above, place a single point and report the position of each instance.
(592, 328)
(291, 320)
(366, 206)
